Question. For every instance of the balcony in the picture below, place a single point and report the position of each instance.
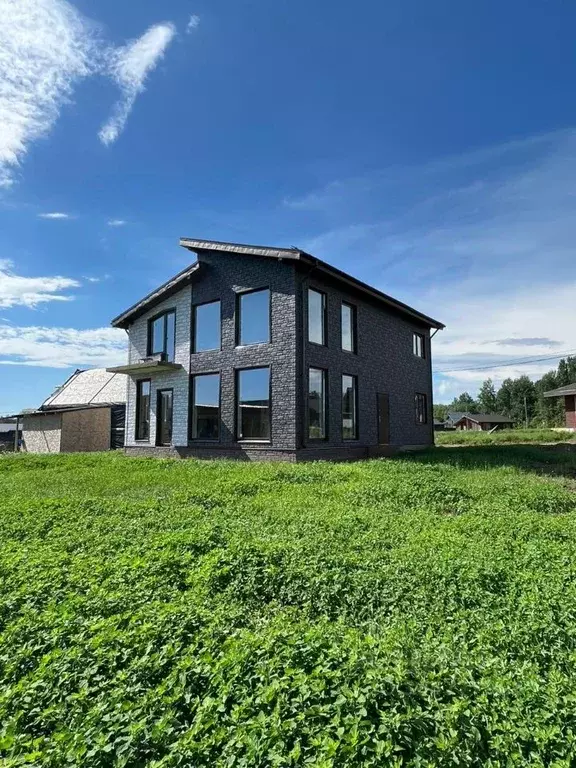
(147, 366)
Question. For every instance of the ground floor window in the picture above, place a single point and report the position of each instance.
(316, 403)
(143, 409)
(205, 422)
(421, 409)
(253, 403)
(349, 407)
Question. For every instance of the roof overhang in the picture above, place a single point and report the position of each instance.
(146, 367)
(569, 389)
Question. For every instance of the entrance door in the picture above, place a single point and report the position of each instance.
(383, 418)
(164, 417)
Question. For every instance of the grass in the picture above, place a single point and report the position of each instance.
(512, 436)
(418, 611)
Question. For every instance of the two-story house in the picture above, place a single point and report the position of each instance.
(269, 353)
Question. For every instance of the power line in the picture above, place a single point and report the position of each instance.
(510, 364)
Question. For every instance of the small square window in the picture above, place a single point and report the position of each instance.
(419, 345)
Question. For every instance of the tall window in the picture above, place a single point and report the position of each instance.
(162, 335)
(253, 402)
(418, 345)
(348, 327)
(316, 403)
(253, 317)
(349, 407)
(421, 409)
(143, 409)
(205, 423)
(207, 326)
(316, 316)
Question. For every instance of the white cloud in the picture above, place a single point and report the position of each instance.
(116, 223)
(61, 347)
(129, 66)
(16, 290)
(55, 215)
(193, 23)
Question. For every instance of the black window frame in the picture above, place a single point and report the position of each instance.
(238, 420)
(195, 323)
(421, 397)
(416, 336)
(137, 424)
(356, 409)
(159, 393)
(354, 315)
(191, 406)
(150, 339)
(324, 342)
(324, 372)
(238, 317)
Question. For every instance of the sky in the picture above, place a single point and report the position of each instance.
(426, 148)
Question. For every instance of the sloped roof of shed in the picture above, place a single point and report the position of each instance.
(95, 386)
(569, 389)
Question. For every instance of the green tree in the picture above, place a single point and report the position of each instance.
(487, 397)
(465, 402)
(440, 411)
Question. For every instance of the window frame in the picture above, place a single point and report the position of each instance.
(424, 421)
(150, 337)
(324, 372)
(354, 334)
(238, 420)
(416, 337)
(195, 324)
(137, 424)
(238, 317)
(159, 393)
(324, 342)
(354, 378)
(191, 406)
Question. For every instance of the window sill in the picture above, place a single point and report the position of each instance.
(254, 440)
(202, 351)
(317, 344)
(254, 344)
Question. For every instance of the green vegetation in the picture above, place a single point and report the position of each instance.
(460, 437)
(418, 612)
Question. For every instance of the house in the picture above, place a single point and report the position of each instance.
(569, 394)
(483, 421)
(452, 417)
(86, 413)
(439, 425)
(269, 353)
(8, 434)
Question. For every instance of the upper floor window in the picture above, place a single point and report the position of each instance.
(207, 331)
(419, 345)
(421, 404)
(205, 423)
(253, 317)
(162, 335)
(143, 409)
(348, 315)
(316, 316)
(253, 403)
(316, 403)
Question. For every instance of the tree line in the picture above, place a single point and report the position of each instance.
(520, 399)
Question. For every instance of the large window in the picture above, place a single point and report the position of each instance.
(143, 409)
(205, 422)
(349, 407)
(207, 326)
(421, 409)
(253, 317)
(348, 327)
(162, 335)
(316, 316)
(316, 403)
(419, 345)
(253, 400)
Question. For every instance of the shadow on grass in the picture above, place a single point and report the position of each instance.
(557, 460)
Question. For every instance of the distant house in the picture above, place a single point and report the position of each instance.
(569, 394)
(8, 434)
(86, 413)
(439, 425)
(452, 417)
(483, 421)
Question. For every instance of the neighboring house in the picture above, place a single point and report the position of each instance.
(8, 434)
(569, 394)
(270, 353)
(483, 421)
(86, 413)
(439, 426)
(452, 417)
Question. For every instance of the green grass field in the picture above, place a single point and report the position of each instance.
(511, 436)
(408, 612)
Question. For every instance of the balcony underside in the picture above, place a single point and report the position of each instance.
(147, 367)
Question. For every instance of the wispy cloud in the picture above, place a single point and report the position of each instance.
(55, 215)
(129, 66)
(97, 279)
(116, 223)
(61, 347)
(193, 23)
(16, 290)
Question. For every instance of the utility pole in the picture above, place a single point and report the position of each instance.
(526, 410)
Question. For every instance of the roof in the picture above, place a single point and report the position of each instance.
(294, 254)
(569, 389)
(482, 418)
(95, 386)
(7, 426)
(455, 415)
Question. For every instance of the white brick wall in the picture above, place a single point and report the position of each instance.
(176, 380)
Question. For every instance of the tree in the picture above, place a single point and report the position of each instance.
(487, 397)
(465, 403)
(440, 411)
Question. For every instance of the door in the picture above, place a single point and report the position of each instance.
(164, 417)
(383, 419)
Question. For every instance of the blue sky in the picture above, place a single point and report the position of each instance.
(427, 148)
